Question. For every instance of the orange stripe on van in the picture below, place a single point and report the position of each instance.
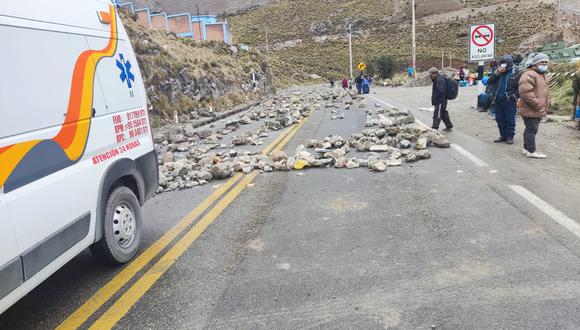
(105, 17)
(74, 132)
(72, 138)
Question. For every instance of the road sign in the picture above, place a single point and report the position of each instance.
(482, 42)
(362, 66)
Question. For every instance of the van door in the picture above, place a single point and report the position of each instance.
(10, 266)
(52, 192)
(119, 77)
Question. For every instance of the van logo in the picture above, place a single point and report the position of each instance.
(125, 67)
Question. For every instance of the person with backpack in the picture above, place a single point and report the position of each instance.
(505, 83)
(534, 101)
(439, 97)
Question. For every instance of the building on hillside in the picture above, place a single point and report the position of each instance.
(159, 21)
(184, 25)
(143, 16)
(199, 24)
(218, 32)
(180, 24)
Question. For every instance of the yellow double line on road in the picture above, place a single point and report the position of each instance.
(120, 308)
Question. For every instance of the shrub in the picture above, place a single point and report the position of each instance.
(384, 66)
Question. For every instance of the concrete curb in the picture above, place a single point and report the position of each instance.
(222, 115)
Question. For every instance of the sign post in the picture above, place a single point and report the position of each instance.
(482, 42)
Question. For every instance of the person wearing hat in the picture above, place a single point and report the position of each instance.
(534, 102)
(505, 83)
(439, 100)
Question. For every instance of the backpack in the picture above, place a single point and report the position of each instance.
(452, 89)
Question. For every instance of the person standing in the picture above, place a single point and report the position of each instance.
(345, 83)
(505, 83)
(366, 85)
(358, 82)
(576, 90)
(410, 71)
(534, 102)
(480, 70)
(439, 100)
(461, 73)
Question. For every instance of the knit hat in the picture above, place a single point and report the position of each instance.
(540, 57)
(433, 70)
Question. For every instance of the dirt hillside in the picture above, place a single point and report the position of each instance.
(181, 75)
(309, 37)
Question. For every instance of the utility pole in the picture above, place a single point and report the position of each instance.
(559, 14)
(450, 61)
(413, 38)
(442, 59)
(267, 43)
(199, 24)
(350, 48)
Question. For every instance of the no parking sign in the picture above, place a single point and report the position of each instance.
(482, 42)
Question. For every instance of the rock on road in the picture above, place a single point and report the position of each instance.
(446, 242)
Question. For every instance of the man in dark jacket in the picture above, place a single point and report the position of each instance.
(358, 81)
(505, 83)
(439, 100)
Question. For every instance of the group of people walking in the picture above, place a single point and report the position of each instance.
(361, 82)
(526, 91)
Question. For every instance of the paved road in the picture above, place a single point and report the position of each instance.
(469, 239)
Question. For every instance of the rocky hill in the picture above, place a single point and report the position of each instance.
(214, 7)
(181, 75)
(309, 36)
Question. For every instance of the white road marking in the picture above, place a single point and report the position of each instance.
(493, 172)
(548, 209)
(469, 156)
(283, 266)
(460, 149)
(459, 171)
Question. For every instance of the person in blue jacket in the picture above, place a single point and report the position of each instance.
(366, 85)
(504, 81)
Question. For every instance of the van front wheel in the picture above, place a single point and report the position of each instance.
(122, 228)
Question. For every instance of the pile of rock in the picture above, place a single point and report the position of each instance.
(397, 138)
(423, 79)
(189, 158)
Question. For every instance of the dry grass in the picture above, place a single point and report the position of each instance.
(561, 92)
(181, 75)
(380, 28)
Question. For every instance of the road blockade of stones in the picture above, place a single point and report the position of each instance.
(391, 137)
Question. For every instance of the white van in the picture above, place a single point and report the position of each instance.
(76, 153)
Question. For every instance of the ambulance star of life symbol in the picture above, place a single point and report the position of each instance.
(125, 67)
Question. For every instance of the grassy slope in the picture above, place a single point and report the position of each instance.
(174, 69)
(381, 27)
